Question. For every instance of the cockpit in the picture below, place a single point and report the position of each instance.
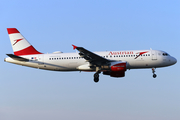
(165, 54)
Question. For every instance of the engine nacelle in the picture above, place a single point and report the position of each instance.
(118, 66)
(117, 69)
(115, 74)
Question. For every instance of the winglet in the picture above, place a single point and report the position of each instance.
(74, 47)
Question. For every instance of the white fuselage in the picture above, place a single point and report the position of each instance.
(73, 61)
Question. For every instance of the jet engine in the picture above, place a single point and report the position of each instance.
(117, 69)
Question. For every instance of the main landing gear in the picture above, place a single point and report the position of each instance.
(153, 71)
(96, 76)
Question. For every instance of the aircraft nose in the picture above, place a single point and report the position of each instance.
(173, 60)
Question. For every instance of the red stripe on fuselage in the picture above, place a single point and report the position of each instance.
(27, 51)
(12, 30)
(141, 53)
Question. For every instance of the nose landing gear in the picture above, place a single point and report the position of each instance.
(153, 71)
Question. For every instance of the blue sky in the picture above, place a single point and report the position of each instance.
(98, 25)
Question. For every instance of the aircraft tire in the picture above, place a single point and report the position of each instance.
(96, 80)
(154, 75)
(96, 77)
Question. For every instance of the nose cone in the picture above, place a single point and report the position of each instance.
(173, 60)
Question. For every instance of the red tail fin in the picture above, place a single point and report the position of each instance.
(19, 44)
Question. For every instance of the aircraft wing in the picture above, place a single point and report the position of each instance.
(91, 57)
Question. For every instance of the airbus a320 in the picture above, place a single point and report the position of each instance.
(112, 63)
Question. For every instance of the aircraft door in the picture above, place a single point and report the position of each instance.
(154, 55)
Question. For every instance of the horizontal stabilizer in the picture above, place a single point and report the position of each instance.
(17, 58)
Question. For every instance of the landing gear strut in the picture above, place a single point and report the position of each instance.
(153, 71)
(96, 75)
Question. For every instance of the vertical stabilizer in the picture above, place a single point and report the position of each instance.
(19, 44)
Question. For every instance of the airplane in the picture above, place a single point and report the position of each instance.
(112, 63)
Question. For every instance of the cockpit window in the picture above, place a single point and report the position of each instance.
(165, 54)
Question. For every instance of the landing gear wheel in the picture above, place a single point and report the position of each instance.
(154, 75)
(96, 80)
(96, 77)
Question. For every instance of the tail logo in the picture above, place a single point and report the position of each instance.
(16, 41)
